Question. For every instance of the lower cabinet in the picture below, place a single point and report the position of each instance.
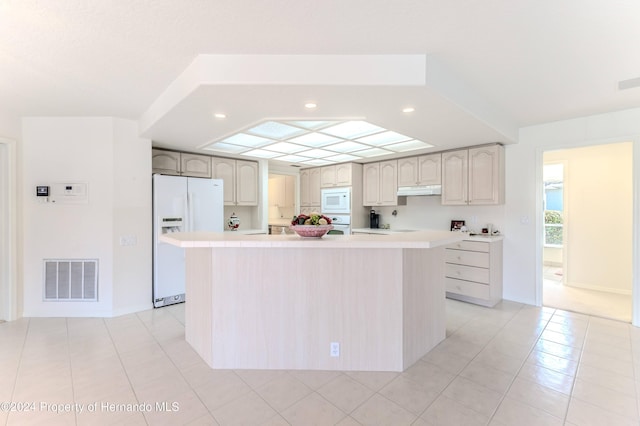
(473, 271)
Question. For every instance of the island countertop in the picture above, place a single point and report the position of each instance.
(417, 239)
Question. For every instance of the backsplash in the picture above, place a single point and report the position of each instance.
(426, 212)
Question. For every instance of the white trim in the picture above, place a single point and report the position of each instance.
(8, 231)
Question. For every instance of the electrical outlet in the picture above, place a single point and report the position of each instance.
(335, 349)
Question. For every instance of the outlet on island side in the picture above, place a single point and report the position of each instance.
(334, 350)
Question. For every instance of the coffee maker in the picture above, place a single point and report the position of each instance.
(374, 220)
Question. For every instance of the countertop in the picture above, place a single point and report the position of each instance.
(416, 239)
(241, 231)
(467, 236)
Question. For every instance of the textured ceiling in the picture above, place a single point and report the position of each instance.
(532, 61)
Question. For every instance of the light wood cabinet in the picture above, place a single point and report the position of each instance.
(240, 181)
(180, 163)
(337, 175)
(310, 188)
(420, 170)
(473, 176)
(281, 191)
(473, 272)
(380, 184)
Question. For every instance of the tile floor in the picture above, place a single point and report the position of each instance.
(511, 365)
(597, 303)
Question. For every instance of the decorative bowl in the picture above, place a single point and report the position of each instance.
(311, 231)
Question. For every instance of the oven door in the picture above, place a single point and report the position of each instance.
(336, 200)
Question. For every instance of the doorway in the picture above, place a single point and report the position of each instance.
(587, 241)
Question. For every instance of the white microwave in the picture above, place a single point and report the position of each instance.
(336, 200)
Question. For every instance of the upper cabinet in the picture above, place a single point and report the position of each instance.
(380, 184)
(180, 163)
(473, 176)
(421, 170)
(310, 188)
(240, 181)
(337, 175)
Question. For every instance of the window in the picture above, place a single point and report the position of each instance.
(553, 204)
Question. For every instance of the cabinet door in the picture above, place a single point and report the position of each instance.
(486, 183)
(429, 169)
(343, 174)
(225, 169)
(314, 187)
(328, 176)
(370, 184)
(246, 183)
(389, 183)
(289, 198)
(195, 165)
(305, 196)
(454, 177)
(408, 171)
(276, 191)
(165, 162)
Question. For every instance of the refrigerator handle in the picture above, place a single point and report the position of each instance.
(190, 209)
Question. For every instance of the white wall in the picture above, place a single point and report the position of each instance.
(522, 223)
(132, 274)
(107, 154)
(598, 216)
(427, 212)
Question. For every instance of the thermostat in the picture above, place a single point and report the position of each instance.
(42, 191)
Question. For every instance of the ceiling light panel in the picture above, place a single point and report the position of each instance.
(286, 147)
(262, 153)
(383, 138)
(250, 141)
(407, 146)
(225, 147)
(316, 142)
(352, 129)
(346, 147)
(275, 130)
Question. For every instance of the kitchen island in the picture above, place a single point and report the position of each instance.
(357, 302)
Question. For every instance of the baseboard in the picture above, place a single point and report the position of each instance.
(599, 288)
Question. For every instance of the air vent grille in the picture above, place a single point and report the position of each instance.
(71, 279)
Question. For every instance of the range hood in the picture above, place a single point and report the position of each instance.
(409, 191)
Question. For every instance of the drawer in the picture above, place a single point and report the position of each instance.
(466, 288)
(469, 258)
(470, 245)
(468, 273)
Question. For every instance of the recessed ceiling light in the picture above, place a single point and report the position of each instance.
(408, 109)
(310, 105)
(220, 115)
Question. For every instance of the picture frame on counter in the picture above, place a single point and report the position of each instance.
(456, 225)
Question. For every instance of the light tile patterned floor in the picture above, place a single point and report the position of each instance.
(512, 365)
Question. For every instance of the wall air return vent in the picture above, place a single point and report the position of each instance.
(71, 280)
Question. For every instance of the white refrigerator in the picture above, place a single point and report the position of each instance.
(180, 204)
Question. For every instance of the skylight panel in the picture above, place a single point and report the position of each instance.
(285, 147)
(408, 146)
(317, 162)
(225, 147)
(372, 152)
(343, 157)
(262, 153)
(292, 158)
(383, 138)
(347, 147)
(247, 140)
(311, 124)
(315, 140)
(352, 129)
(317, 153)
(275, 130)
